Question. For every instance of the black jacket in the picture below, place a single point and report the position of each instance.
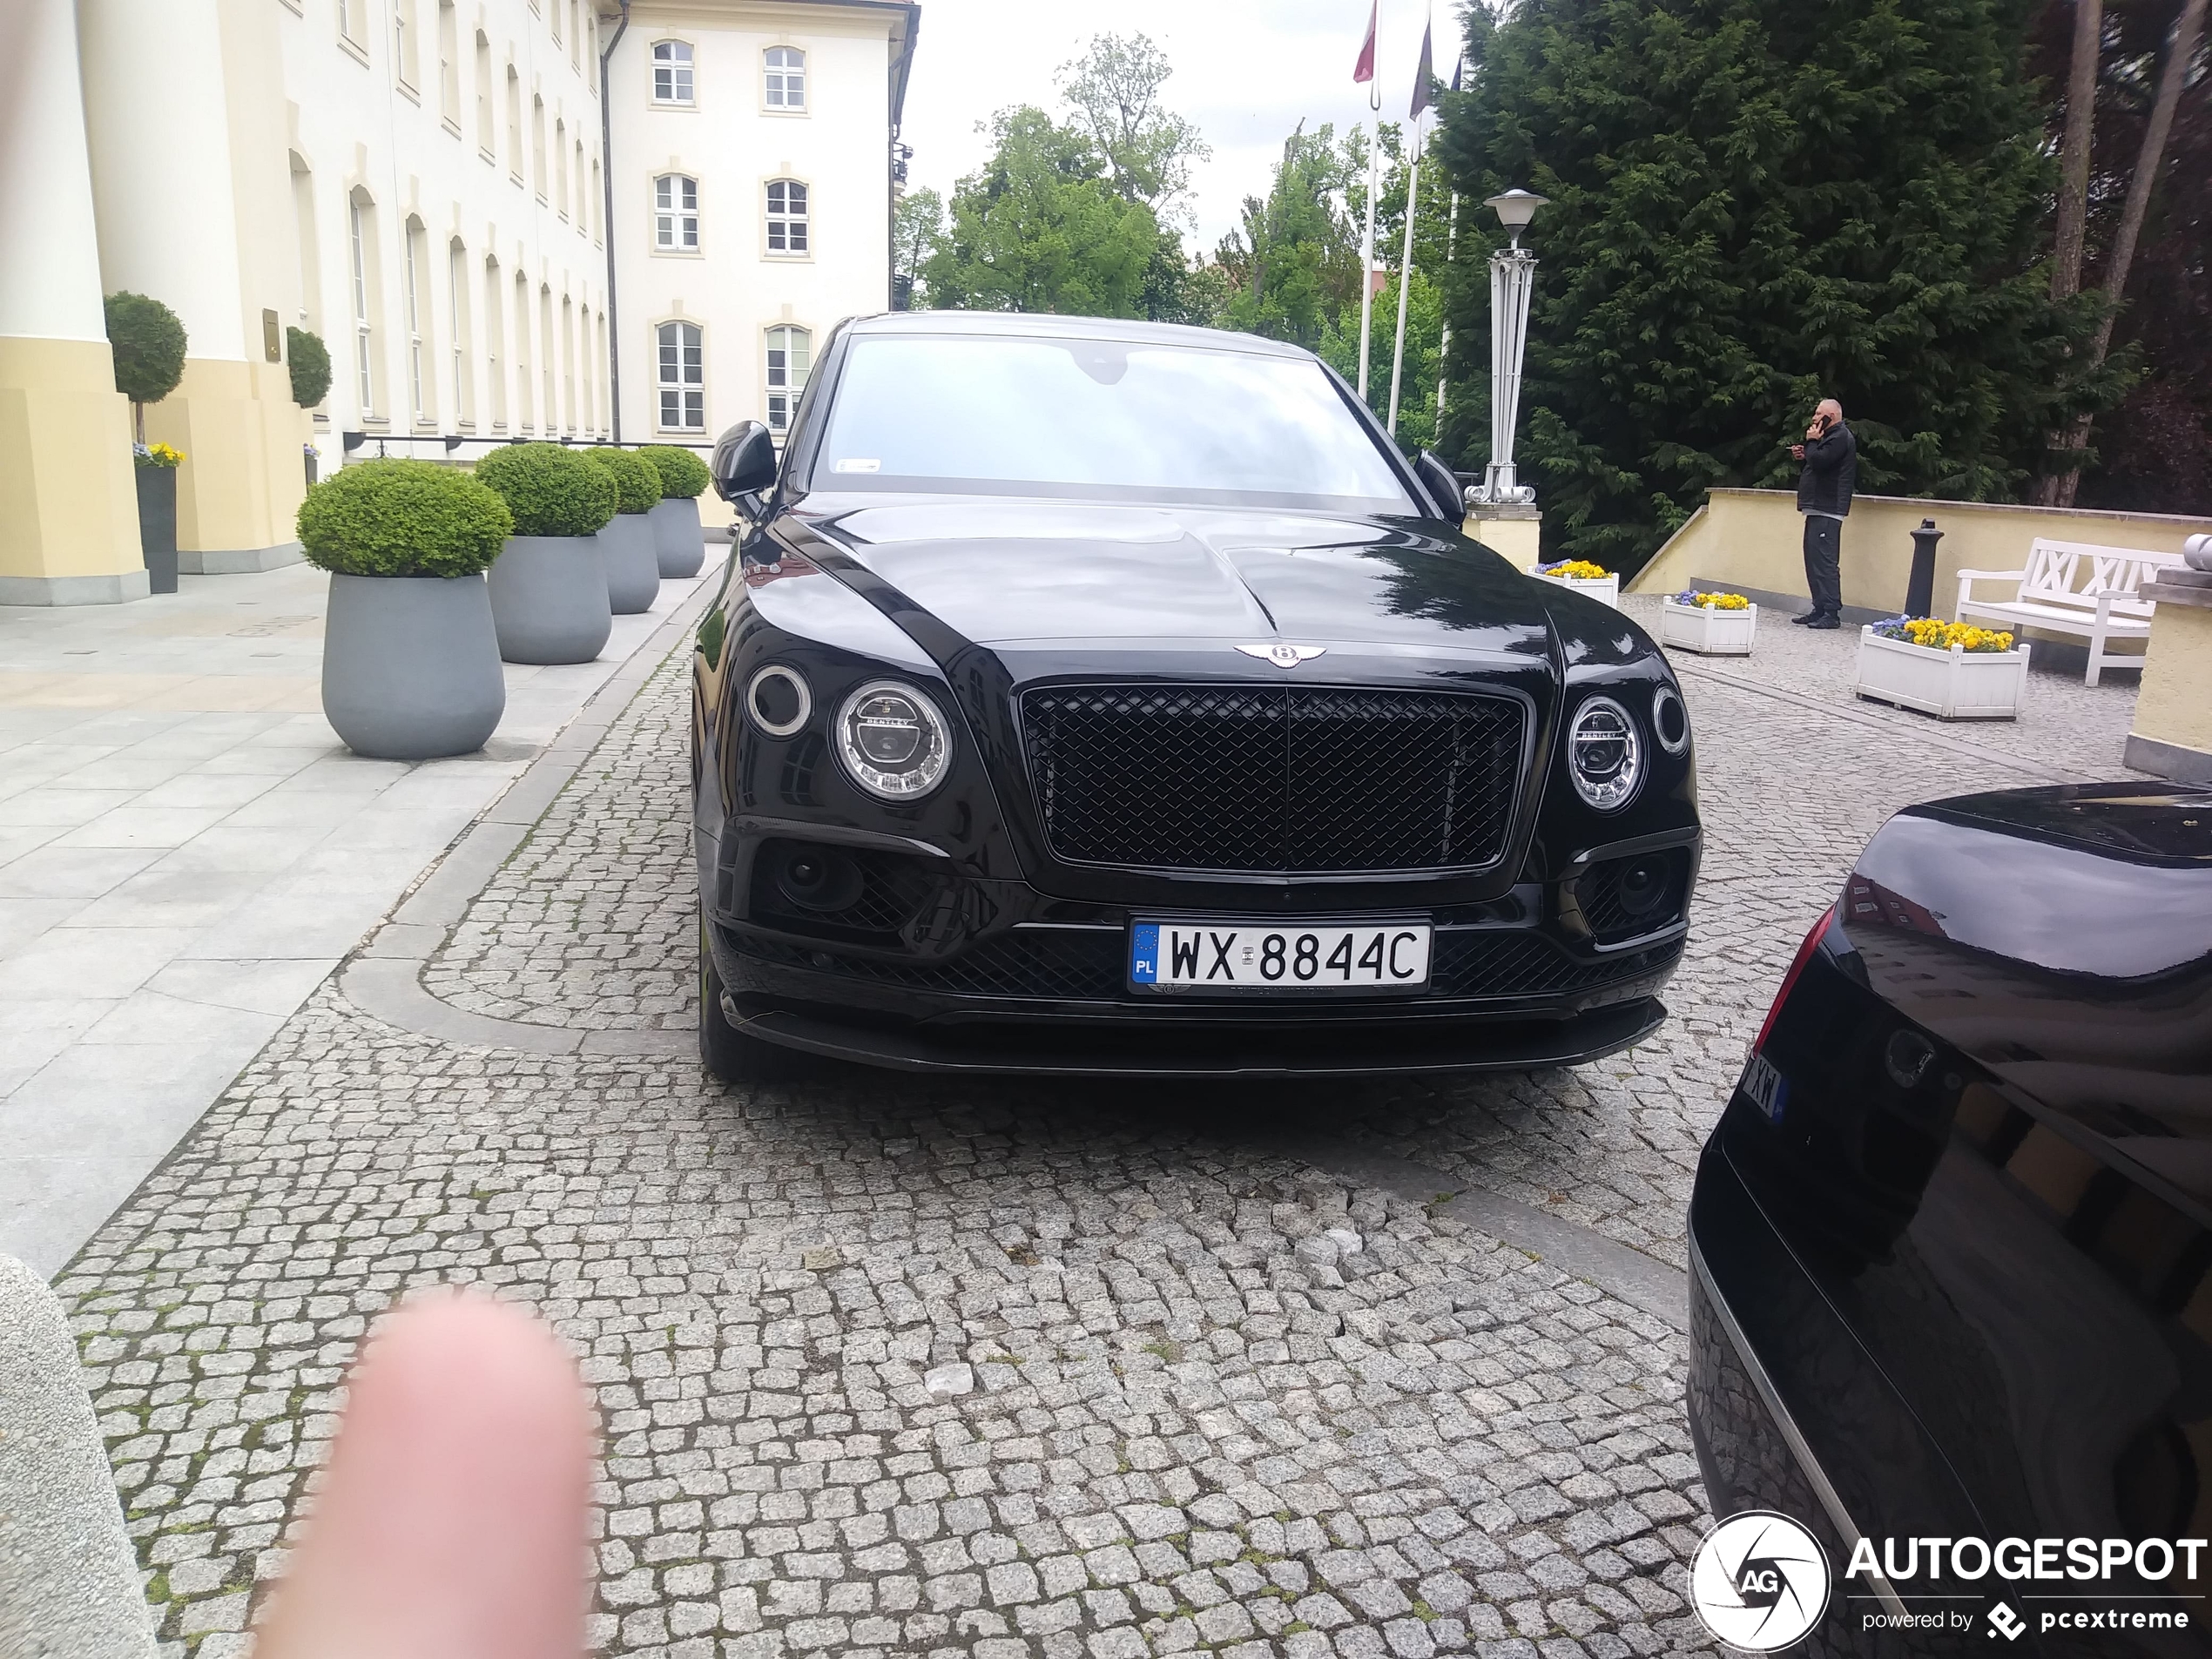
(1831, 469)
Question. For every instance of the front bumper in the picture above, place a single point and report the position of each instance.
(1045, 999)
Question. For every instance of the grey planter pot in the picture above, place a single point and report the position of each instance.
(410, 665)
(633, 567)
(158, 526)
(549, 599)
(677, 535)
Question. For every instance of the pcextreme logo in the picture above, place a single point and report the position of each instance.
(1760, 1582)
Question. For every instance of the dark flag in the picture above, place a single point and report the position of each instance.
(1424, 77)
(1459, 71)
(1364, 68)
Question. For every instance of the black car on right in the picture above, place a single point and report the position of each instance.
(1952, 1240)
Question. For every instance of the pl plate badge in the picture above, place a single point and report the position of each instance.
(1760, 1582)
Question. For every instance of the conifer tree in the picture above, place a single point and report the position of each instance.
(1757, 203)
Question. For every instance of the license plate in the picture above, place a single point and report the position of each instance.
(1766, 1086)
(1228, 955)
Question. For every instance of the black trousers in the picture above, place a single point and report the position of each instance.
(1823, 551)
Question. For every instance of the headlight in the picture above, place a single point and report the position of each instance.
(1670, 719)
(1604, 754)
(893, 741)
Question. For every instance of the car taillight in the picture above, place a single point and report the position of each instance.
(1790, 980)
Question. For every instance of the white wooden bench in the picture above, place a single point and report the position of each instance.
(2052, 594)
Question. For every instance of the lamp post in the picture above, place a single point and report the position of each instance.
(1512, 271)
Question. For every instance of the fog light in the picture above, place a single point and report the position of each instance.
(1643, 886)
(817, 878)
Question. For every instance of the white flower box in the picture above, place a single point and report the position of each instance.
(1707, 630)
(1606, 590)
(1954, 684)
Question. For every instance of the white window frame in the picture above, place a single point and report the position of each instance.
(676, 213)
(791, 227)
(783, 80)
(464, 403)
(418, 384)
(364, 330)
(494, 332)
(674, 69)
(679, 376)
(784, 381)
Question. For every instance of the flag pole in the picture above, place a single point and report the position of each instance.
(1405, 275)
(1444, 345)
(1367, 242)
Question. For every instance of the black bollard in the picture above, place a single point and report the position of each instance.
(1920, 592)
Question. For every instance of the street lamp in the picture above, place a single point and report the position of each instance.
(1513, 270)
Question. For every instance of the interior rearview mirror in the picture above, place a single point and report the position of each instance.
(744, 463)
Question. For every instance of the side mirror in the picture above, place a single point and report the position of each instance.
(1443, 483)
(744, 463)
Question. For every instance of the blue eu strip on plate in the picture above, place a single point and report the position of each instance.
(1144, 954)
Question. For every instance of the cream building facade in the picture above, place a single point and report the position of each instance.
(424, 185)
(752, 193)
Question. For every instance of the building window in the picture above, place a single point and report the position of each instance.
(303, 230)
(349, 20)
(494, 333)
(561, 161)
(522, 411)
(514, 123)
(790, 355)
(786, 216)
(487, 122)
(538, 143)
(580, 208)
(464, 400)
(682, 374)
(359, 234)
(672, 72)
(449, 63)
(568, 360)
(549, 353)
(575, 37)
(418, 380)
(553, 22)
(786, 73)
(605, 386)
(599, 199)
(403, 64)
(676, 213)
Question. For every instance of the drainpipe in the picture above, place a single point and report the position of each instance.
(607, 216)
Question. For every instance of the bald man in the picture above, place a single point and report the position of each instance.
(1830, 454)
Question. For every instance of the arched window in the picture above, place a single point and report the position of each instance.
(568, 361)
(672, 72)
(538, 143)
(464, 389)
(487, 119)
(523, 409)
(790, 355)
(514, 123)
(786, 216)
(560, 162)
(361, 235)
(449, 63)
(676, 213)
(418, 311)
(580, 208)
(786, 78)
(549, 354)
(681, 375)
(598, 201)
(495, 334)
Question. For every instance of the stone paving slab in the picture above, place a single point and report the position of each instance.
(1238, 1387)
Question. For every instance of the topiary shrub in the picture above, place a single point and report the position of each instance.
(551, 490)
(636, 478)
(402, 518)
(310, 362)
(147, 339)
(682, 474)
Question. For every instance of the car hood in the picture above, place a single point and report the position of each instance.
(1016, 575)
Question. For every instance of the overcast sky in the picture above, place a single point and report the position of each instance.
(1245, 72)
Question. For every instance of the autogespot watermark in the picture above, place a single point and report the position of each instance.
(1761, 1582)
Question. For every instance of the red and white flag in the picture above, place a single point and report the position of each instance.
(1363, 70)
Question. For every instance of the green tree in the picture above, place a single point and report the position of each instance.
(1114, 89)
(147, 341)
(1757, 203)
(1039, 228)
(1291, 265)
(917, 228)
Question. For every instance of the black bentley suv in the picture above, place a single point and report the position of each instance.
(1103, 697)
(1951, 1300)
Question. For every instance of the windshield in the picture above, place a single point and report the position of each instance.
(1098, 419)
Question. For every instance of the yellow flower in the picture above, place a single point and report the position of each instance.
(1578, 570)
(1938, 635)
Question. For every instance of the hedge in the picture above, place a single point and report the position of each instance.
(402, 518)
(310, 362)
(636, 478)
(551, 490)
(682, 473)
(148, 341)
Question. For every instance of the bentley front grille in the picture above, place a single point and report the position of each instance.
(1273, 779)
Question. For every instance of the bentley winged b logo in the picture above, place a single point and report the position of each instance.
(1282, 653)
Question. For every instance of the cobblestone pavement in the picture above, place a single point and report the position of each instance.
(1221, 1400)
